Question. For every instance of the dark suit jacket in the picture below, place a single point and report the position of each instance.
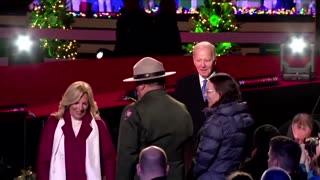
(188, 91)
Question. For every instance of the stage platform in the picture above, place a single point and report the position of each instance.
(39, 88)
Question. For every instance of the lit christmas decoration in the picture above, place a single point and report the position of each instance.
(265, 11)
(237, 11)
(214, 18)
(54, 14)
(259, 81)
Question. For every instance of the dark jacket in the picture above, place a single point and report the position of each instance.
(256, 165)
(160, 178)
(188, 91)
(156, 119)
(299, 175)
(222, 140)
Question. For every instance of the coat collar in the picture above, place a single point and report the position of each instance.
(85, 128)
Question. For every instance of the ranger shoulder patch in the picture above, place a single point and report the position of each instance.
(127, 114)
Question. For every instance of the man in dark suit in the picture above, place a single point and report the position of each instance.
(191, 89)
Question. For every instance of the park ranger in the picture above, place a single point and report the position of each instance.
(154, 119)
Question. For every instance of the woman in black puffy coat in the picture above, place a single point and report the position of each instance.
(224, 133)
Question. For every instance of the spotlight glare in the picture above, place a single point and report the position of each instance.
(23, 43)
(297, 57)
(99, 55)
(297, 45)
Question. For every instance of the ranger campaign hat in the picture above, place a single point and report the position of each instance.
(148, 68)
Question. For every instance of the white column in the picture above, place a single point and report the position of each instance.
(108, 4)
(76, 5)
(101, 5)
(194, 4)
(298, 4)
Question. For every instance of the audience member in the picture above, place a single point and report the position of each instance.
(302, 126)
(285, 153)
(154, 119)
(258, 162)
(168, 40)
(310, 161)
(152, 164)
(239, 175)
(224, 134)
(314, 174)
(134, 29)
(275, 174)
(75, 143)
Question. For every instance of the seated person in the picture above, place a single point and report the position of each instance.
(258, 162)
(302, 126)
(285, 153)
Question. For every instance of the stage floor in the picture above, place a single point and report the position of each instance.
(39, 88)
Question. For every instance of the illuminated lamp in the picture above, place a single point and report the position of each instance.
(24, 49)
(297, 58)
(103, 53)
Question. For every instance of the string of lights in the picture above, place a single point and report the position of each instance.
(182, 10)
(54, 14)
(258, 81)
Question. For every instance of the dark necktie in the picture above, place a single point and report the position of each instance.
(203, 89)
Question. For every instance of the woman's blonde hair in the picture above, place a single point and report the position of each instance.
(73, 94)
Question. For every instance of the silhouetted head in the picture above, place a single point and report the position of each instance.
(284, 153)
(263, 135)
(131, 5)
(152, 163)
(275, 174)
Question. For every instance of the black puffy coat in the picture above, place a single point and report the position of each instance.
(222, 140)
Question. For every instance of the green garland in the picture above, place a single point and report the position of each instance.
(216, 17)
(54, 14)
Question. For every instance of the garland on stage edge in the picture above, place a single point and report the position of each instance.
(248, 11)
(54, 14)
